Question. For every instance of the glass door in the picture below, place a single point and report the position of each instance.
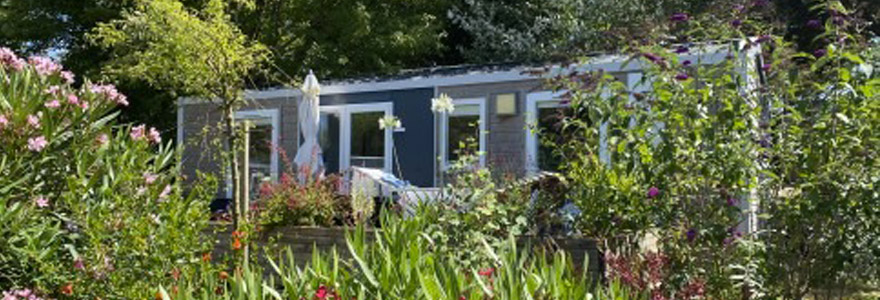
(350, 136)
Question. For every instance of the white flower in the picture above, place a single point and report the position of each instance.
(442, 104)
(390, 122)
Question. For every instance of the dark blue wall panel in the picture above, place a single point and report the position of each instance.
(414, 148)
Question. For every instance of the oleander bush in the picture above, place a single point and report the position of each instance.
(90, 209)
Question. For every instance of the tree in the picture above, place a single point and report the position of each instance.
(198, 53)
(347, 37)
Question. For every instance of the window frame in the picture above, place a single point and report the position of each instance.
(483, 136)
(345, 111)
(271, 116)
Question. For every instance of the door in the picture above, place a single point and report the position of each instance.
(360, 141)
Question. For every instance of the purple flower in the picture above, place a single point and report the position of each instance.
(736, 23)
(814, 24)
(681, 77)
(691, 235)
(764, 38)
(44, 65)
(820, 52)
(766, 67)
(739, 8)
(732, 201)
(760, 3)
(37, 144)
(682, 49)
(653, 192)
(686, 63)
(679, 17)
(653, 57)
(838, 20)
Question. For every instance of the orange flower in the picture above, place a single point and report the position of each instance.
(236, 244)
(206, 257)
(67, 289)
(223, 275)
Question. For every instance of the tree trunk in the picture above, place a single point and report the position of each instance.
(233, 166)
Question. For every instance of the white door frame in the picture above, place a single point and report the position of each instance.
(345, 111)
(274, 118)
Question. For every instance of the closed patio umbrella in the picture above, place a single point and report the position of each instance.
(308, 158)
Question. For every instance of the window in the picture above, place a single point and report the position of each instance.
(349, 136)
(465, 126)
(542, 115)
(549, 117)
(367, 140)
(262, 144)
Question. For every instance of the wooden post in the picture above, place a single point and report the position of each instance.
(245, 184)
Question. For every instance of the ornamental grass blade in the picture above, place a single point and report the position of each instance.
(364, 267)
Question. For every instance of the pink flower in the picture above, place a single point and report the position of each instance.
(321, 293)
(67, 76)
(7, 57)
(137, 132)
(78, 264)
(154, 136)
(84, 105)
(653, 192)
(44, 65)
(72, 99)
(109, 91)
(53, 104)
(41, 202)
(149, 178)
(3, 121)
(102, 139)
(34, 121)
(165, 192)
(37, 144)
(52, 90)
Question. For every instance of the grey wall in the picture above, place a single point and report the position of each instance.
(201, 136)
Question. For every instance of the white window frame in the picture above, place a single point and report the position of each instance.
(483, 136)
(344, 111)
(532, 102)
(274, 117)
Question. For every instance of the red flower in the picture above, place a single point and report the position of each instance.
(487, 272)
(67, 289)
(236, 244)
(206, 257)
(321, 293)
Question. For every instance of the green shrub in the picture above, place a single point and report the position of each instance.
(90, 209)
(705, 144)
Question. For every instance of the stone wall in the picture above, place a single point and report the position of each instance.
(302, 240)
